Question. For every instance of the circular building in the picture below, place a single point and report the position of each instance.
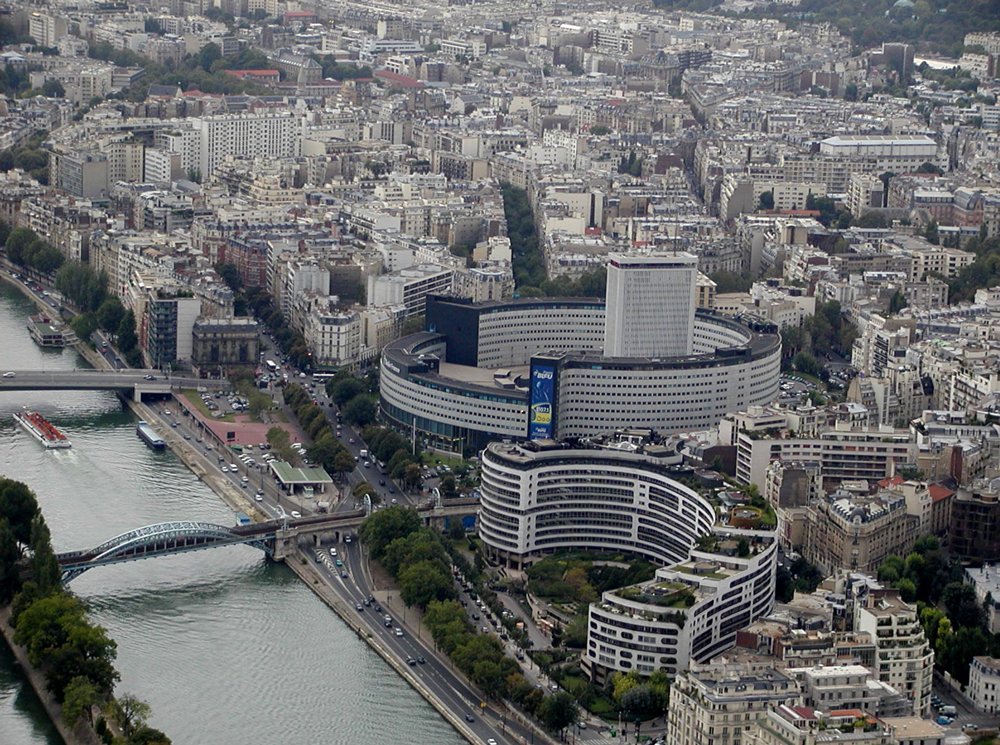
(537, 368)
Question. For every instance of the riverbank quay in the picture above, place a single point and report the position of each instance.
(304, 570)
(448, 691)
(83, 733)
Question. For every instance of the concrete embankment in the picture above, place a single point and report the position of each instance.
(82, 734)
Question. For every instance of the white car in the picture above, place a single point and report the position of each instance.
(9, 375)
(296, 513)
(259, 497)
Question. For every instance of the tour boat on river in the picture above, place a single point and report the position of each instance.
(36, 426)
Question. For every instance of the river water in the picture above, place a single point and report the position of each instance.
(224, 646)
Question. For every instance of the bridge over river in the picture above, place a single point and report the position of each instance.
(277, 538)
(138, 381)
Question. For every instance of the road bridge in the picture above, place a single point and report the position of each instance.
(144, 381)
(276, 538)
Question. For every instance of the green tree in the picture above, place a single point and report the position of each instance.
(130, 712)
(148, 736)
(18, 507)
(423, 582)
(278, 438)
(412, 476)
(18, 242)
(346, 389)
(79, 699)
(960, 603)
(53, 89)
(897, 302)
(765, 201)
(872, 219)
(58, 638)
(806, 363)
(230, 275)
(383, 527)
(208, 55)
(343, 462)
(449, 488)
(84, 325)
(110, 314)
(127, 339)
(642, 702)
(10, 555)
(558, 711)
(490, 678)
(45, 571)
(360, 411)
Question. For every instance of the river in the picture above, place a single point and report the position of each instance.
(224, 646)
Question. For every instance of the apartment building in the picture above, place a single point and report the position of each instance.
(858, 533)
(717, 704)
(984, 684)
(219, 344)
(904, 658)
(846, 452)
(332, 334)
(267, 135)
(410, 287)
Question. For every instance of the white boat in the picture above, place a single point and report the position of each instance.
(35, 425)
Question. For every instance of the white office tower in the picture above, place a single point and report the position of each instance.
(650, 305)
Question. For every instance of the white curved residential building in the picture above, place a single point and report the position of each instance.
(617, 495)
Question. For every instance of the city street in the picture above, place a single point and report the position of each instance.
(437, 673)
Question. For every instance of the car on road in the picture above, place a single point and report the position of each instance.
(358, 606)
(295, 514)
(343, 575)
(411, 662)
(378, 608)
(469, 718)
(421, 660)
(491, 741)
(351, 441)
(258, 497)
(970, 727)
(944, 720)
(399, 631)
(224, 469)
(340, 563)
(187, 436)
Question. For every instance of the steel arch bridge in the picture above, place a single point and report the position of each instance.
(164, 539)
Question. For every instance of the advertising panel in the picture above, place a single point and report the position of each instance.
(541, 407)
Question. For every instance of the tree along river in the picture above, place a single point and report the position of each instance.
(226, 647)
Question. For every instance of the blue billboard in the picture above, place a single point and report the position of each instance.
(542, 404)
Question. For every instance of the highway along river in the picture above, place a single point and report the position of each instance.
(226, 648)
